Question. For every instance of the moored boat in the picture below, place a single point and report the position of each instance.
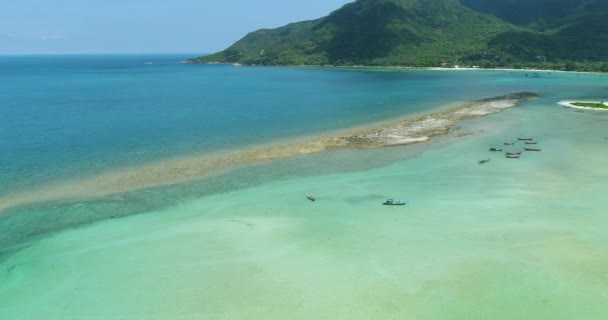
(513, 156)
(509, 143)
(391, 202)
(485, 160)
(531, 142)
(525, 139)
(495, 149)
(513, 153)
(533, 149)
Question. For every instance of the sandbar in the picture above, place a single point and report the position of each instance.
(398, 132)
(570, 104)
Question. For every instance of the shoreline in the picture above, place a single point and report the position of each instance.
(395, 132)
(394, 67)
(570, 104)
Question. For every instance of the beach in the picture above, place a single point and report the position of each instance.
(570, 104)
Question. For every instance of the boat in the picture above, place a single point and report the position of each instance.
(310, 197)
(513, 156)
(485, 160)
(531, 142)
(509, 143)
(513, 153)
(533, 149)
(495, 149)
(391, 202)
(525, 139)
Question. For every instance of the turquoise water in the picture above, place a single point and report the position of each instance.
(511, 239)
(67, 116)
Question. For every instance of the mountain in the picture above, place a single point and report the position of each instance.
(575, 31)
(537, 14)
(540, 33)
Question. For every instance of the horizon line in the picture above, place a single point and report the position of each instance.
(98, 53)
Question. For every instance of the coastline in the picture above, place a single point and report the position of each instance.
(570, 104)
(396, 132)
(397, 67)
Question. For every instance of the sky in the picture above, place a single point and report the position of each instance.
(143, 26)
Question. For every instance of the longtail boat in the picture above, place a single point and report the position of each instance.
(513, 153)
(531, 142)
(495, 149)
(513, 156)
(509, 143)
(533, 149)
(391, 202)
(525, 139)
(310, 197)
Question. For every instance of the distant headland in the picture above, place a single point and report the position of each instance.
(437, 33)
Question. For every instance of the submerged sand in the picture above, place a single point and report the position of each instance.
(521, 239)
(392, 133)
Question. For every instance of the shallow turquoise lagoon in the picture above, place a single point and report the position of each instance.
(512, 239)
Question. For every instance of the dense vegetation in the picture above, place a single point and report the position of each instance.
(600, 105)
(538, 14)
(545, 34)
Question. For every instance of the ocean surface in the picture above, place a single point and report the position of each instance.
(512, 239)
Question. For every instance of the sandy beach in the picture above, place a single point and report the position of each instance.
(570, 104)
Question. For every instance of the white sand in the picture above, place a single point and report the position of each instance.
(569, 104)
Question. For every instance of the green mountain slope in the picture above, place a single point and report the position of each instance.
(572, 30)
(540, 14)
(431, 33)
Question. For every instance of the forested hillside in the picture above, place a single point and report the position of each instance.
(555, 34)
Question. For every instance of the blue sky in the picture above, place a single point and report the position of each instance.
(138, 26)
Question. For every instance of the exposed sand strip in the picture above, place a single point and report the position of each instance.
(400, 132)
(570, 104)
